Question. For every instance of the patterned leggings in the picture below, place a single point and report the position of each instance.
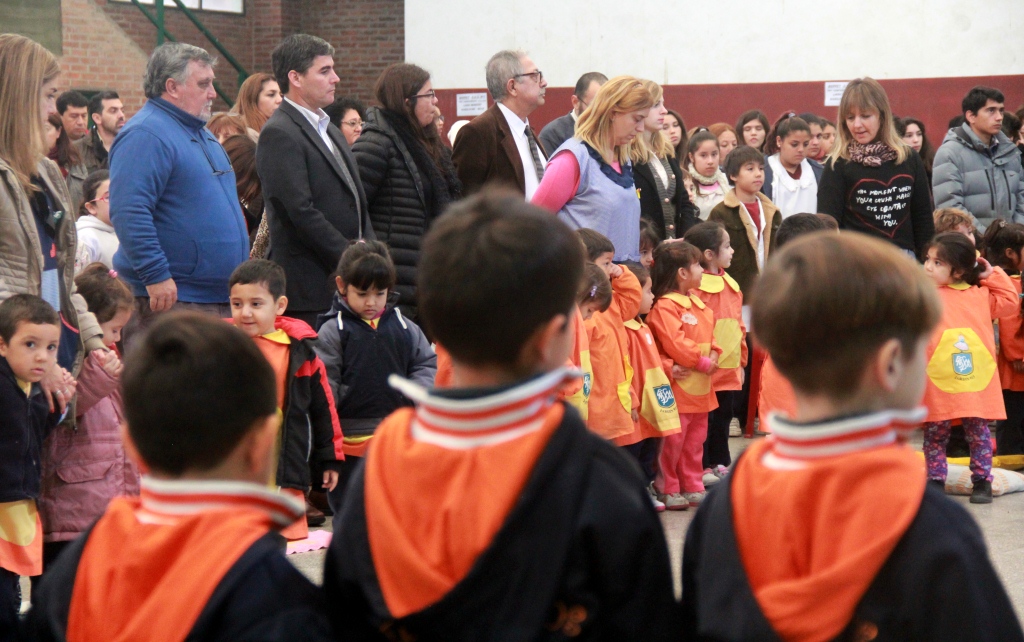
(936, 436)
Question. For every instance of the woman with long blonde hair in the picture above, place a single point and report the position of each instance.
(873, 182)
(37, 257)
(258, 99)
(589, 183)
(664, 200)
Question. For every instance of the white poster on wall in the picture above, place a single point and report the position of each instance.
(470, 104)
(834, 93)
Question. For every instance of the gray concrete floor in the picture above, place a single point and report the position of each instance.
(1002, 523)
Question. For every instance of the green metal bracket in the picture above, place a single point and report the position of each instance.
(163, 34)
(242, 73)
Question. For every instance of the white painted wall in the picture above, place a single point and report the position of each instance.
(719, 41)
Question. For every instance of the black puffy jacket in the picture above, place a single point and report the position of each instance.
(399, 198)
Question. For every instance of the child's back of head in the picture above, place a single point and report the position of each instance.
(194, 387)
(827, 302)
(493, 271)
(804, 223)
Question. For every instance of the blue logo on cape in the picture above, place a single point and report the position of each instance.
(586, 384)
(963, 363)
(664, 396)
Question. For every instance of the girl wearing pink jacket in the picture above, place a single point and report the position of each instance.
(85, 467)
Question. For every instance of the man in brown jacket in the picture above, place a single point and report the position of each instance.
(499, 146)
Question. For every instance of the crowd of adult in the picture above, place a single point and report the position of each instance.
(294, 172)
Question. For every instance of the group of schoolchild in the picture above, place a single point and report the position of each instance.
(486, 508)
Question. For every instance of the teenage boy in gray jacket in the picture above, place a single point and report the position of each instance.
(978, 168)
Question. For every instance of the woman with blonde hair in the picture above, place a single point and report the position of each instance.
(589, 180)
(258, 99)
(873, 182)
(37, 257)
(664, 201)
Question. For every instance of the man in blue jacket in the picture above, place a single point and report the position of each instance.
(173, 204)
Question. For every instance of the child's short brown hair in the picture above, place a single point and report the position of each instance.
(827, 302)
(738, 158)
(947, 219)
(493, 271)
(595, 243)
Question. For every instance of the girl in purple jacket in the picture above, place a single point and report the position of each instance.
(85, 467)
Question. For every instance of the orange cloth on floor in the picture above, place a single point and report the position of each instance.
(1011, 346)
(146, 576)
(722, 294)
(812, 540)
(445, 375)
(649, 403)
(610, 403)
(275, 347)
(431, 511)
(776, 394)
(21, 538)
(962, 380)
(684, 329)
(577, 394)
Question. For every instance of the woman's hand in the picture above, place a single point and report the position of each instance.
(59, 386)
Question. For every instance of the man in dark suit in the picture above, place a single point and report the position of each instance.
(499, 146)
(562, 128)
(314, 198)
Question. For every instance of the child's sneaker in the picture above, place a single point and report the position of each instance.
(938, 484)
(694, 499)
(710, 478)
(659, 506)
(675, 501)
(719, 472)
(982, 492)
(735, 429)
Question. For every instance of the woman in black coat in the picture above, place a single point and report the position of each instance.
(659, 180)
(405, 169)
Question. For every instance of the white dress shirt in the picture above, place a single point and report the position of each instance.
(518, 128)
(319, 120)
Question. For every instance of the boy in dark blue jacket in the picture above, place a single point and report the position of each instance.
(196, 556)
(364, 339)
(29, 337)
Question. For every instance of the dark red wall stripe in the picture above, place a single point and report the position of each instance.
(933, 100)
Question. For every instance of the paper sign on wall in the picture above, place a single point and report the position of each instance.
(471, 104)
(834, 93)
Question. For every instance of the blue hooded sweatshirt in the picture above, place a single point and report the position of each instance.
(174, 205)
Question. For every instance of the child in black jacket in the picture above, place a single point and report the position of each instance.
(364, 339)
(310, 433)
(29, 337)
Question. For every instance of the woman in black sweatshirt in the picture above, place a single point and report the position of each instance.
(873, 182)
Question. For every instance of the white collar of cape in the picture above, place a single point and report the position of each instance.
(457, 424)
(794, 445)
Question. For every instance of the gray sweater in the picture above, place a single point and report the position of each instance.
(985, 181)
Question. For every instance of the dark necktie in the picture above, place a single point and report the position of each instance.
(538, 164)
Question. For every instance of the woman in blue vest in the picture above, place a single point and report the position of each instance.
(589, 179)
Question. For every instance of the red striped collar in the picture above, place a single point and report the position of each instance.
(463, 424)
(165, 501)
(793, 444)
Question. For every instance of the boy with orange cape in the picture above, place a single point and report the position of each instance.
(489, 511)
(198, 555)
(825, 530)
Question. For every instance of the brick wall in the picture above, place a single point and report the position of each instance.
(368, 35)
(106, 43)
(99, 55)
